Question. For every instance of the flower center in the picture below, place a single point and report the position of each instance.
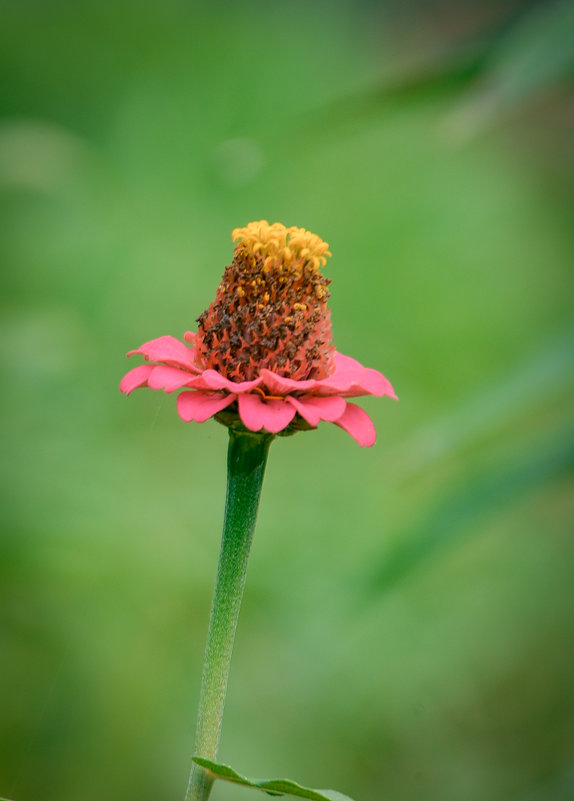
(270, 309)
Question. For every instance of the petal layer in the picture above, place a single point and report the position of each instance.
(278, 385)
(356, 422)
(136, 378)
(200, 406)
(351, 379)
(313, 408)
(169, 378)
(272, 415)
(169, 350)
(211, 379)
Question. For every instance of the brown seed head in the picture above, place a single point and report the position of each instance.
(270, 309)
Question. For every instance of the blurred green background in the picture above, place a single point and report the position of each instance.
(408, 624)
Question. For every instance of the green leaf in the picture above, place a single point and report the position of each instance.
(270, 786)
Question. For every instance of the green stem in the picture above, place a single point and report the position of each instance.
(246, 459)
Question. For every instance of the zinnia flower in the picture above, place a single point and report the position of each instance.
(263, 355)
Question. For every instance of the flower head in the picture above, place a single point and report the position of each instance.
(270, 310)
(263, 350)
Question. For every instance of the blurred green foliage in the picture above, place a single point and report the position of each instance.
(408, 626)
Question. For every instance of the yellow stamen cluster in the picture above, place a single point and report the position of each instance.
(274, 242)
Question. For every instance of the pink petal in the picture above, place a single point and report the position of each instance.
(351, 379)
(211, 379)
(358, 424)
(272, 415)
(370, 382)
(136, 378)
(344, 362)
(169, 378)
(384, 386)
(313, 409)
(169, 350)
(200, 406)
(278, 385)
